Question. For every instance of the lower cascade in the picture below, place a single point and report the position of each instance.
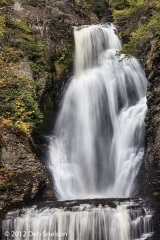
(126, 220)
(96, 150)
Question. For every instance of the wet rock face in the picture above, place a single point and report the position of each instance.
(152, 160)
(23, 177)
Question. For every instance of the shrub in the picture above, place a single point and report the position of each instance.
(140, 20)
(18, 100)
(17, 25)
(87, 6)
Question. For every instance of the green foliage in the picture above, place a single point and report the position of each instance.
(25, 44)
(2, 26)
(18, 101)
(35, 53)
(96, 6)
(5, 2)
(11, 54)
(154, 23)
(17, 25)
(38, 68)
(32, 3)
(63, 54)
(141, 24)
(21, 25)
(28, 45)
(19, 104)
(26, 110)
(87, 6)
(7, 186)
(99, 8)
(35, 3)
(138, 41)
(118, 5)
(35, 50)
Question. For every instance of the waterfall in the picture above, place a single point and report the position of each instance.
(96, 150)
(98, 143)
(127, 221)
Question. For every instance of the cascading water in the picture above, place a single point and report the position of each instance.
(125, 221)
(98, 144)
(96, 150)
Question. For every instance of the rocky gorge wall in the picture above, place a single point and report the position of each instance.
(152, 160)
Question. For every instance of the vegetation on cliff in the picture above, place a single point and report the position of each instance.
(22, 89)
(141, 24)
(97, 7)
(18, 101)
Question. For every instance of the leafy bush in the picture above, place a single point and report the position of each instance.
(17, 24)
(35, 50)
(140, 20)
(118, 5)
(87, 6)
(100, 7)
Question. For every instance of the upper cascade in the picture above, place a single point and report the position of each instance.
(90, 42)
(98, 144)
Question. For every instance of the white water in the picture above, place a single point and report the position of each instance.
(98, 143)
(84, 222)
(96, 150)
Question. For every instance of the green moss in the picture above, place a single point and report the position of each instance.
(7, 186)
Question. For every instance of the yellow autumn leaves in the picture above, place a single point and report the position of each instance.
(18, 105)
